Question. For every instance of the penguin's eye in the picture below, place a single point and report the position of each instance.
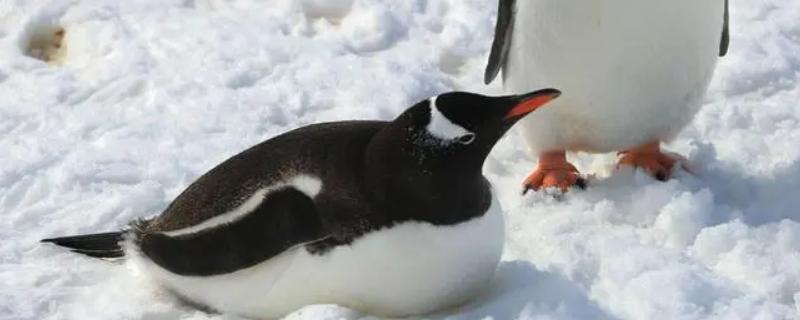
(466, 139)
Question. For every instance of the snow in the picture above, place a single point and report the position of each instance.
(150, 94)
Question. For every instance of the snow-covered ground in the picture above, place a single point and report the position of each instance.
(148, 94)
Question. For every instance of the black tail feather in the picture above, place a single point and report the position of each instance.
(100, 245)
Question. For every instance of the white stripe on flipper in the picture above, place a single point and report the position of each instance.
(309, 185)
(441, 127)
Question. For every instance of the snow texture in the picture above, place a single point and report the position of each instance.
(146, 95)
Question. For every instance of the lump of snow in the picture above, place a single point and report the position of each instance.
(332, 10)
(46, 43)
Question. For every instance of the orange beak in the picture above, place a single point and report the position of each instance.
(531, 101)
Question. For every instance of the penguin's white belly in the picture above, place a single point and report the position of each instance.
(630, 71)
(411, 268)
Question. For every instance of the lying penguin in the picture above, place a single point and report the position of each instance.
(390, 218)
(635, 72)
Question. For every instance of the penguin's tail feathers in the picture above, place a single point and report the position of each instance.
(98, 245)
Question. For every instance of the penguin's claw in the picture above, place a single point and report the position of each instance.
(650, 159)
(563, 178)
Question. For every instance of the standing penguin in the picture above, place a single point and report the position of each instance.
(390, 218)
(634, 73)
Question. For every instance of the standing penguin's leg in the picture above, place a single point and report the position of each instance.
(553, 171)
(650, 158)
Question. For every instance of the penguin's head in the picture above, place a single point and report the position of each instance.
(455, 131)
(462, 120)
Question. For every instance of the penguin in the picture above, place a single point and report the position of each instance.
(388, 218)
(634, 74)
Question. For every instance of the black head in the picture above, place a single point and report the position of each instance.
(452, 132)
(461, 127)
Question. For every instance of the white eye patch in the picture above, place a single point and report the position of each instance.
(442, 128)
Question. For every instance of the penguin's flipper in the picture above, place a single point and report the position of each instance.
(502, 40)
(99, 245)
(285, 219)
(726, 37)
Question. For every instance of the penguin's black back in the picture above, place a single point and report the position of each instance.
(333, 152)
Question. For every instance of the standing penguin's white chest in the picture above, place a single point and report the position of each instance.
(630, 71)
(408, 269)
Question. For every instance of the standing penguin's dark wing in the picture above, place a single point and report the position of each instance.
(726, 37)
(286, 218)
(502, 40)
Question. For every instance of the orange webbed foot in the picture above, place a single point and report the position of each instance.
(649, 158)
(553, 171)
